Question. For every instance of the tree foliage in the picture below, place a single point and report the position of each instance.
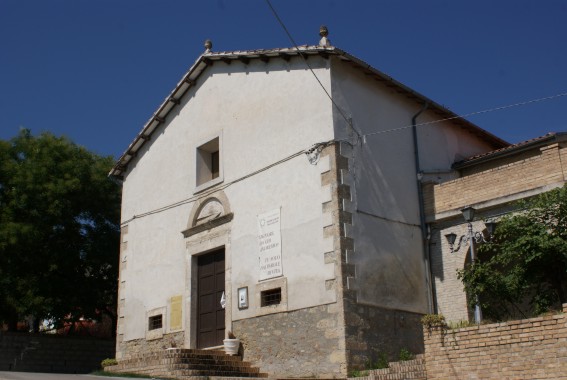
(59, 230)
(523, 270)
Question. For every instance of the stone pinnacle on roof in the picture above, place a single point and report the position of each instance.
(208, 45)
(324, 32)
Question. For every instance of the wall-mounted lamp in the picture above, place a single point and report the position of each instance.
(472, 237)
(476, 236)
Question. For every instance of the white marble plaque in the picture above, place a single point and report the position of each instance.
(270, 244)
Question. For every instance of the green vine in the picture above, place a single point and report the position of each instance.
(433, 320)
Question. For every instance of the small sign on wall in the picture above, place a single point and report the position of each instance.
(270, 245)
(243, 298)
(175, 313)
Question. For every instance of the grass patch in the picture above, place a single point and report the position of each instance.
(380, 363)
(461, 324)
(108, 362)
(405, 355)
(358, 373)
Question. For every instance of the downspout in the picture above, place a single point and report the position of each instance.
(424, 231)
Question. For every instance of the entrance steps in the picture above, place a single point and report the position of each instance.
(181, 363)
(402, 370)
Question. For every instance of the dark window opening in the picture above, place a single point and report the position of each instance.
(271, 297)
(215, 164)
(155, 322)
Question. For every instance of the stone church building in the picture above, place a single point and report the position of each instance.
(287, 195)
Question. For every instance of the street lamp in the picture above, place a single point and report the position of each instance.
(471, 237)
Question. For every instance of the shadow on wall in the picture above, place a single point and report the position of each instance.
(390, 266)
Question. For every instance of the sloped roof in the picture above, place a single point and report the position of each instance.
(208, 58)
(537, 142)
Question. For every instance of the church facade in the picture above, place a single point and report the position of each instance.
(286, 209)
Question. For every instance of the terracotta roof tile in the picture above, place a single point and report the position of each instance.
(510, 149)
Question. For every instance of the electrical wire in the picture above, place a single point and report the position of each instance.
(218, 188)
(207, 193)
(500, 108)
(292, 40)
(348, 121)
(363, 136)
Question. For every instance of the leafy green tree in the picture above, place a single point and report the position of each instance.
(523, 270)
(59, 230)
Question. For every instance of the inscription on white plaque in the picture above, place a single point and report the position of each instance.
(270, 245)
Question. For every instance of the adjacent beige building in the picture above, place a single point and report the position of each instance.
(254, 203)
(490, 183)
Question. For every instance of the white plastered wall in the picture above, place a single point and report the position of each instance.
(265, 112)
(388, 255)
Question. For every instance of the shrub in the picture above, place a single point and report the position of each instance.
(406, 355)
(433, 320)
(108, 362)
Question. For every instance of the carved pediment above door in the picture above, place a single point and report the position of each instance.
(208, 213)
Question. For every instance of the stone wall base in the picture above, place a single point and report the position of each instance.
(374, 331)
(136, 347)
(301, 343)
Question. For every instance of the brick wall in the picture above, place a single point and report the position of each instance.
(534, 348)
(52, 353)
(491, 187)
(450, 296)
(499, 179)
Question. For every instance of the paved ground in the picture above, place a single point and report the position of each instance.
(51, 376)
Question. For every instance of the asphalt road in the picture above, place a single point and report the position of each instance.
(52, 376)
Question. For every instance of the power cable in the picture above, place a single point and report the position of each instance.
(292, 40)
(224, 186)
(349, 121)
(313, 147)
(527, 102)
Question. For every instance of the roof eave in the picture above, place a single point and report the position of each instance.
(205, 59)
(158, 117)
(538, 143)
(447, 114)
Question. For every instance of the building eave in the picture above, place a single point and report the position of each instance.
(208, 58)
(511, 150)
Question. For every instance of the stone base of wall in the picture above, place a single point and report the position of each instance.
(301, 343)
(52, 353)
(373, 331)
(534, 348)
(136, 347)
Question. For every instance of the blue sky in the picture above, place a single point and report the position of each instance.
(96, 70)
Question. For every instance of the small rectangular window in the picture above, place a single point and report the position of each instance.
(155, 322)
(209, 164)
(271, 297)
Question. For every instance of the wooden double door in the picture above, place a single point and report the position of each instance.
(210, 290)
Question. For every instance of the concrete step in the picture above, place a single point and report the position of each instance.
(189, 364)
